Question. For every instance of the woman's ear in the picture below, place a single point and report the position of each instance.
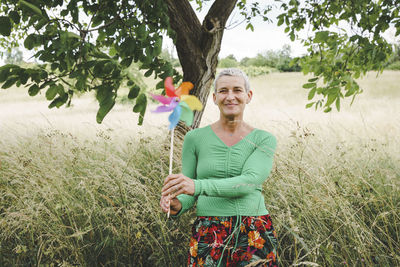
(249, 96)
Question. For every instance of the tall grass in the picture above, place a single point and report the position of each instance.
(89, 196)
(337, 200)
(70, 201)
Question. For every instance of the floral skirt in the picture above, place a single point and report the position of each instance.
(233, 241)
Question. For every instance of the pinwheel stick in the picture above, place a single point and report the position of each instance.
(171, 154)
(182, 105)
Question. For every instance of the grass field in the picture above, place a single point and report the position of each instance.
(73, 192)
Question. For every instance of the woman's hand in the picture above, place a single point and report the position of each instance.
(174, 205)
(176, 184)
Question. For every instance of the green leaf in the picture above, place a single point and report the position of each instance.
(59, 101)
(4, 74)
(15, 17)
(99, 68)
(64, 12)
(281, 20)
(160, 84)
(106, 98)
(75, 74)
(313, 80)
(105, 106)
(31, 7)
(321, 36)
(72, 35)
(104, 92)
(250, 26)
(5, 26)
(357, 74)
(312, 93)
(148, 73)
(140, 107)
(134, 92)
(97, 53)
(141, 103)
(108, 68)
(30, 41)
(331, 98)
(141, 32)
(309, 105)
(96, 21)
(113, 51)
(81, 83)
(309, 85)
(126, 62)
(23, 77)
(10, 82)
(292, 36)
(33, 90)
(338, 104)
(157, 47)
(40, 24)
(51, 92)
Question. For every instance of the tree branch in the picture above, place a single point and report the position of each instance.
(102, 27)
(218, 13)
(215, 20)
(183, 20)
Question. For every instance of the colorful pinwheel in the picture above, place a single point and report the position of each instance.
(179, 102)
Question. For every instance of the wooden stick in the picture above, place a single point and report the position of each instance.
(171, 154)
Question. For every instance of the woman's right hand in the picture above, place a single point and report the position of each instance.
(174, 204)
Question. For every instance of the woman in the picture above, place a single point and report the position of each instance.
(223, 168)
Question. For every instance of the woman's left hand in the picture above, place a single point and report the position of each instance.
(176, 184)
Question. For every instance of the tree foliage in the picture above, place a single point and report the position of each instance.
(87, 45)
(345, 41)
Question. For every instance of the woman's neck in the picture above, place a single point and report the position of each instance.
(231, 125)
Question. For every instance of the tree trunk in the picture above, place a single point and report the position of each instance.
(198, 46)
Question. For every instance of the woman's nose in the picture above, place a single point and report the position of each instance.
(230, 95)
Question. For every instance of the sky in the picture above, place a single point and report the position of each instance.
(266, 36)
(246, 43)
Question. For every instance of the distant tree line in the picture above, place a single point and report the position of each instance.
(280, 60)
(394, 60)
(13, 56)
(274, 60)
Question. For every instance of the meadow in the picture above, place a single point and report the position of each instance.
(73, 192)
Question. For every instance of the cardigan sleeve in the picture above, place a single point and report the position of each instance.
(255, 171)
(189, 165)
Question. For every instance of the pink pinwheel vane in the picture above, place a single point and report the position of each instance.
(179, 102)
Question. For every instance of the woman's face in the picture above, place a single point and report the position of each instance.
(231, 96)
